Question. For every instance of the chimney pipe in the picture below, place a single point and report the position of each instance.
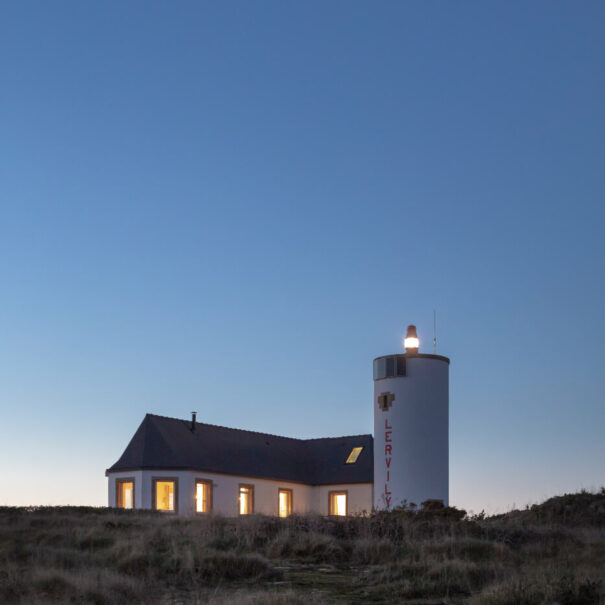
(193, 416)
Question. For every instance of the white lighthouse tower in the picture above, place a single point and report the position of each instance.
(411, 426)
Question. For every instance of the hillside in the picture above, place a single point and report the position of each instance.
(550, 553)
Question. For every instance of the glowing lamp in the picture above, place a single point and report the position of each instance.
(411, 342)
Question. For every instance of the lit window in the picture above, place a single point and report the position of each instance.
(246, 499)
(125, 493)
(165, 494)
(285, 502)
(203, 496)
(354, 455)
(338, 503)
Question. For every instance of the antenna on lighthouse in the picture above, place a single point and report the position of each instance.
(434, 331)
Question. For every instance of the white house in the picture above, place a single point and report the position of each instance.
(188, 467)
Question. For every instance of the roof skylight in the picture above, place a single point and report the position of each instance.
(354, 455)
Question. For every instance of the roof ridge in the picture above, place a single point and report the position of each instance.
(229, 428)
(340, 437)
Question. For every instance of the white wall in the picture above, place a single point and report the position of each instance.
(225, 492)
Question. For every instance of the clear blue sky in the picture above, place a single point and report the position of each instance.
(233, 207)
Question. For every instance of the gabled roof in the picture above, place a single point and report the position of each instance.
(169, 443)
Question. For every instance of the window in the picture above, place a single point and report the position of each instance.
(246, 499)
(389, 367)
(352, 459)
(338, 503)
(125, 493)
(165, 494)
(203, 496)
(284, 502)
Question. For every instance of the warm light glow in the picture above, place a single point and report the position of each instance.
(202, 497)
(411, 343)
(338, 504)
(245, 500)
(285, 502)
(127, 498)
(354, 455)
(125, 494)
(164, 495)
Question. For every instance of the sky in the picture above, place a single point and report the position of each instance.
(233, 207)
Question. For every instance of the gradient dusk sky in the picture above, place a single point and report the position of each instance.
(233, 207)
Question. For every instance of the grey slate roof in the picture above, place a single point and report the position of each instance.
(169, 443)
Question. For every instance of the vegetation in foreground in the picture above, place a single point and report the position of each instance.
(550, 553)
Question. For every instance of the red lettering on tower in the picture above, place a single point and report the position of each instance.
(388, 448)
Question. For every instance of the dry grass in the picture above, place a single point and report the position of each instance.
(551, 553)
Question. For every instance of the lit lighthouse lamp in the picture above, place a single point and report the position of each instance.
(411, 342)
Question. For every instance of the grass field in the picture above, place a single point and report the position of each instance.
(550, 553)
